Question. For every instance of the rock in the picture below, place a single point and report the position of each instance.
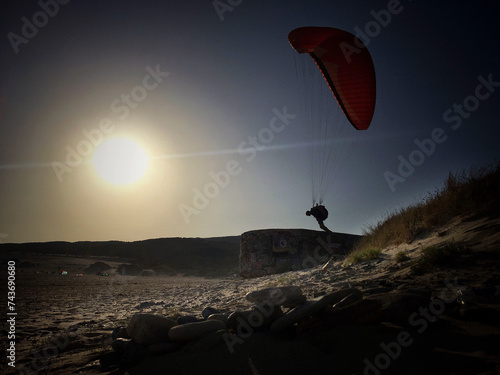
(187, 319)
(232, 320)
(146, 329)
(286, 296)
(207, 311)
(121, 345)
(311, 308)
(424, 292)
(136, 354)
(144, 305)
(397, 307)
(298, 313)
(163, 347)
(319, 293)
(192, 331)
(257, 318)
(110, 360)
(338, 295)
(350, 299)
(220, 316)
(119, 332)
(96, 268)
(483, 314)
(361, 311)
(377, 290)
(210, 341)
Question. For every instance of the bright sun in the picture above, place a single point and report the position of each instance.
(120, 161)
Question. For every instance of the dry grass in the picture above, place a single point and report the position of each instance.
(470, 192)
(401, 256)
(436, 256)
(363, 255)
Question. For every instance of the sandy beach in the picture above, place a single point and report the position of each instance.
(64, 322)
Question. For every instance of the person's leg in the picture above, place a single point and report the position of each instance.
(322, 226)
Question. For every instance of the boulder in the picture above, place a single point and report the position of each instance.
(258, 318)
(223, 317)
(163, 347)
(286, 296)
(193, 331)
(119, 332)
(110, 361)
(397, 307)
(147, 329)
(121, 345)
(187, 319)
(313, 307)
(349, 310)
(97, 268)
(483, 314)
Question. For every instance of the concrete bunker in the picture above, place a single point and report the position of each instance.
(269, 251)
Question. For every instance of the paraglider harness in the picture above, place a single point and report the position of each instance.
(320, 213)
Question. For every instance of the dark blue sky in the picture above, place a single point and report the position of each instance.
(221, 79)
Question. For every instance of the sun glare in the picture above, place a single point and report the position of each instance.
(120, 161)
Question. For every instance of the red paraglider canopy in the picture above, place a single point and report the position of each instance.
(346, 65)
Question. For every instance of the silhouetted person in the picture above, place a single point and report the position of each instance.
(320, 213)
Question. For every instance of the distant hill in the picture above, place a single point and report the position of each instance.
(193, 256)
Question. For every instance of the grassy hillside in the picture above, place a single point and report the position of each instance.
(473, 192)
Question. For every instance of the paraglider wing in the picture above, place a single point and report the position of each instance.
(347, 67)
